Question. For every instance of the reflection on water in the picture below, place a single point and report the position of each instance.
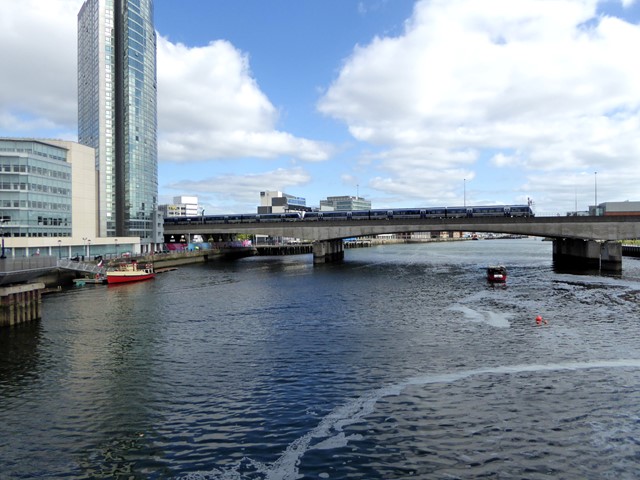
(19, 365)
(403, 361)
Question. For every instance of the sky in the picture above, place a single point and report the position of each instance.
(407, 103)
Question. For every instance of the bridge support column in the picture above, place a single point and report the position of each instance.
(611, 256)
(20, 304)
(587, 254)
(328, 251)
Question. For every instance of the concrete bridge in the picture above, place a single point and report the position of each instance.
(589, 242)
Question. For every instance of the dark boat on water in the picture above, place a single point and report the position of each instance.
(497, 274)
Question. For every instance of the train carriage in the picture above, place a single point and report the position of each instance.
(279, 217)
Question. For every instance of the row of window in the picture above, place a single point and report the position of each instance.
(35, 187)
(42, 222)
(33, 204)
(45, 172)
(11, 146)
(38, 234)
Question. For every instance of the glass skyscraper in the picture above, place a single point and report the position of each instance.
(117, 111)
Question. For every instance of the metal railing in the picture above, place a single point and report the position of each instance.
(22, 264)
(91, 268)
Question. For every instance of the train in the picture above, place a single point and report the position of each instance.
(377, 214)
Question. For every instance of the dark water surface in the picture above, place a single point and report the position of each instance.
(399, 363)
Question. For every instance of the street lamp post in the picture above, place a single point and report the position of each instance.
(88, 248)
(116, 242)
(595, 185)
(59, 251)
(465, 193)
(2, 233)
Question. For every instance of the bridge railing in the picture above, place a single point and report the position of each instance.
(21, 264)
(91, 268)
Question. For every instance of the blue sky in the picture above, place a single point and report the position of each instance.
(407, 103)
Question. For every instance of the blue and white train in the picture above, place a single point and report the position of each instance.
(378, 214)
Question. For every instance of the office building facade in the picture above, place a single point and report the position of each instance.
(182, 206)
(345, 203)
(48, 199)
(35, 189)
(117, 112)
(279, 202)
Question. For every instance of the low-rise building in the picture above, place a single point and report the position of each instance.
(345, 203)
(182, 206)
(279, 202)
(618, 209)
(48, 201)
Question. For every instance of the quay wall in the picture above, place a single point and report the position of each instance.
(631, 250)
(20, 304)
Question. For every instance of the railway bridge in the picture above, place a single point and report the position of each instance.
(583, 242)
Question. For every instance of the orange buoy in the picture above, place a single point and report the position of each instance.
(540, 320)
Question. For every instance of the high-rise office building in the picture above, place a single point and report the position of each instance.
(117, 111)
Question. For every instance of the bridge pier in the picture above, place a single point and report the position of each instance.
(587, 254)
(611, 256)
(20, 304)
(328, 251)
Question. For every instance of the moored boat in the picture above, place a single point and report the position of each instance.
(130, 272)
(497, 274)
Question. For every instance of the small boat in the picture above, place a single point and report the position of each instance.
(130, 272)
(497, 274)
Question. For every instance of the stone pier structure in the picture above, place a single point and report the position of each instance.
(587, 254)
(328, 251)
(20, 303)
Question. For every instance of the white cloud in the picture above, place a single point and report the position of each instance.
(243, 189)
(543, 91)
(211, 107)
(549, 79)
(38, 57)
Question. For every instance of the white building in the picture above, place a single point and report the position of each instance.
(278, 202)
(345, 203)
(182, 206)
(48, 201)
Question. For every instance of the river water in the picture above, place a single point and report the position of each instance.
(402, 362)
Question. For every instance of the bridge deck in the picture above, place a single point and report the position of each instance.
(588, 228)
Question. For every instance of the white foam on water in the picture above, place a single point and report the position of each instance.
(329, 432)
(494, 319)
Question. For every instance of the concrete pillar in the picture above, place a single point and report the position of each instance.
(328, 251)
(611, 256)
(20, 303)
(576, 254)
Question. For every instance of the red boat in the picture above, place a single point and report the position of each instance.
(497, 274)
(130, 272)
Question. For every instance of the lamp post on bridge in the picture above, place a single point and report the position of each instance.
(595, 186)
(465, 193)
(2, 222)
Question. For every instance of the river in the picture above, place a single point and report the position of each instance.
(401, 362)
